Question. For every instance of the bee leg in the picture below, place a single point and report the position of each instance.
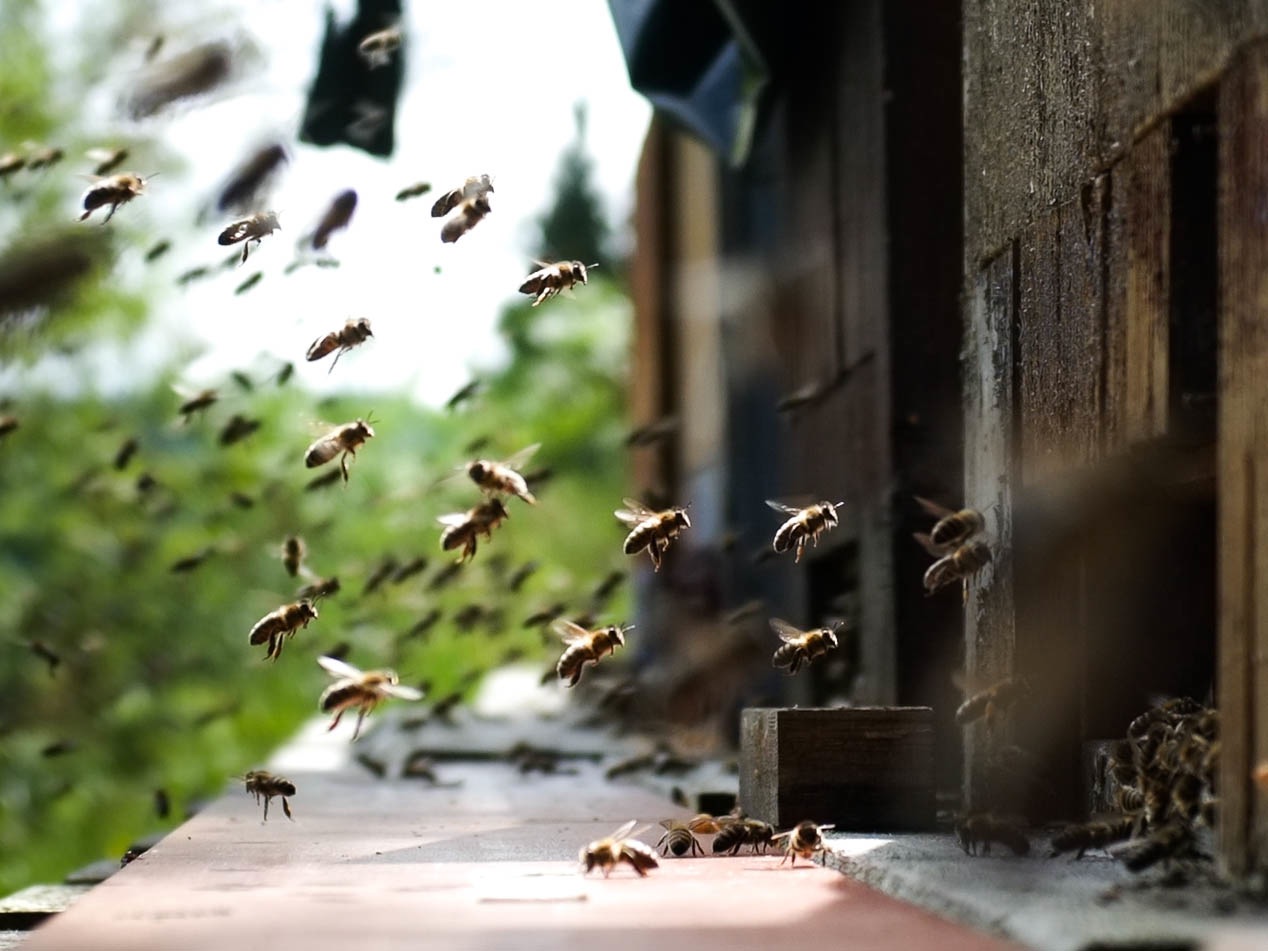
(335, 722)
(246, 246)
(360, 719)
(286, 808)
(336, 360)
(266, 807)
(343, 466)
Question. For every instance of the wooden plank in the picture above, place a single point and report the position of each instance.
(1242, 462)
(32, 906)
(865, 769)
(989, 470)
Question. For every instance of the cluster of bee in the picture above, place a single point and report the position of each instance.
(952, 541)
(1162, 780)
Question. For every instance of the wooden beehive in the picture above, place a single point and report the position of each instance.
(865, 769)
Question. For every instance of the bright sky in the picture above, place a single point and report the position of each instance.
(489, 87)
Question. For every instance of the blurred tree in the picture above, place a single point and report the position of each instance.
(575, 227)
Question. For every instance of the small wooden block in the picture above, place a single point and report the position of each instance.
(24, 910)
(865, 769)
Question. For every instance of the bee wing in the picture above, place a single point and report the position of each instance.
(517, 461)
(402, 692)
(533, 283)
(634, 512)
(933, 508)
(781, 507)
(623, 832)
(569, 631)
(453, 519)
(782, 835)
(786, 631)
(937, 551)
(446, 203)
(337, 668)
(235, 232)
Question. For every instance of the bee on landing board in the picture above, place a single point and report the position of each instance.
(805, 525)
(278, 625)
(254, 227)
(981, 830)
(801, 647)
(651, 530)
(678, 838)
(585, 646)
(734, 832)
(345, 439)
(464, 528)
(1096, 834)
(805, 839)
(353, 334)
(495, 477)
(609, 852)
(360, 690)
(264, 785)
(113, 191)
(553, 278)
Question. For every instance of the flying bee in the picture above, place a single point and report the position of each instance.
(802, 647)
(952, 528)
(264, 785)
(678, 838)
(805, 839)
(736, 832)
(197, 403)
(9, 424)
(377, 48)
(294, 551)
(585, 646)
(319, 588)
(610, 852)
(336, 216)
(249, 282)
(464, 528)
(651, 530)
(477, 186)
(805, 525)
(246, 183)
(342, 441)
(413, 191)
(11, 162)
(470, 214)
(107, 159)
(278, 625)
(238, 428)
(961, 565)
(551, 279)
(981, 830)
(359, 690)
(495, 477)
(113, 191)
(353, 334)
(45, 156)
(991, 702)
(191, 562)
(1091, 835)
(255, 227)
(125, 452)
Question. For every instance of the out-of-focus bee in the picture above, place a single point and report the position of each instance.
(265, 785)
(464, 528)
(249, 282)
(11, 162)
(736, 832)
(44, 652)
(961, 565)
(360, 690)
(162, 803)
(470, 213)
(609, 852)
(520, 575)
(319, 588)
(952, 528)
(323, 481)
(585, 646)
(125, 453)
(353, 334)
(197, 403)
(254, 227)
(278, 625)
(413, 191)
(653, 433)
(246, 181)
(414, 566)
(801, 647)
(805, 839)
(502, 477)
(1096, 834)
(468, 616)
(107, 159)
(157, 250)
(445, 575)
(477, 186)
(193, 274)
(651, 530)
(991, 702)
(190, 562)
(238, 428)
(464, 394)
(336, 216)
(294, 551)
(44, 156)
(551, 279)
(9, 424)
(544, 614)
(1172, 840)
(377, 48)
(424, 623)
(981, 830)
(678, 838)
(342, 441)
(113, 191)
(805, 525)
(607, 584)
(187, 74)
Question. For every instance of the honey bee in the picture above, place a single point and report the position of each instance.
(377, 48)
(113, 191)
(278, 625)
(961, 565)
(495, 477)
(801, 647)
(191, 562)
(619, 847)
(477, 186)
(981, 830)
(345, 440)
(293, 554)
(197, 403)
(11, 162)
(470, 214)
(651, 530)
(736, 832)
(953, 528)
(354, 333)
(45, 156)
(255, 227)
(264, 785)
(1092, 835)
(125, 453)
(359, 690)
(319, 588)
(464, 528)
(9, 424)
(413, 191)
(992, 701)
(805, 525)
(553, 278)
(337, 216)
(107, 159)
(238, 428)
(805, 839)
(678, 838)
(1172, 840)
(585, 646)
(249, 283)
(246, 182)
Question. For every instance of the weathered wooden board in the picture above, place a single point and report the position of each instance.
(866, 769)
